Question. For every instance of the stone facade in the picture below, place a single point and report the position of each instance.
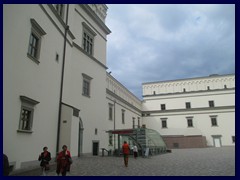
(203, 107)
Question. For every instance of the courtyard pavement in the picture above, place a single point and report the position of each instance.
(180, 162)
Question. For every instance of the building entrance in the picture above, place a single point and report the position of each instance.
(217, 142)
(95, 148)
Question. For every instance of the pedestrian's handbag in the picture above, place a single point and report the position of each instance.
(70, 160)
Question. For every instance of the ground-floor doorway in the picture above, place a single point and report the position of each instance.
(217, 140)
(95, 149)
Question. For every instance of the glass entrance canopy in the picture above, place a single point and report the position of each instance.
(147, 140)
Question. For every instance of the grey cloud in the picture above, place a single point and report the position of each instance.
(180, 41)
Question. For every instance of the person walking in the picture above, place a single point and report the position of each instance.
(125, 150)
(64, 161)
(44, 157)
(135, 151)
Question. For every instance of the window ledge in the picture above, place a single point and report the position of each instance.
(25, 131)
(86, 95)
(33, 59)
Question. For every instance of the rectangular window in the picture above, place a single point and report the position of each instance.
(211, 103)
(163, 107)
(86, 85)
(88, 39)
(164, 122)
(133, 119)
(26, 119)
(123, 116)
(87, 43)
(33, 45)
(188, 105)
(35, 41)
(86, 88)
(190, 122)
(60, 9)
(110, 112)
(110, 139)
(26, 115)
(96, 131)
(233, 139)
(138, 122)
(214, 120)
(76, 112)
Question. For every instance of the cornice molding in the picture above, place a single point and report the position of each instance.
(122, 100)
(189, 110)
(192, 79)
(92, 14)
(189, 92)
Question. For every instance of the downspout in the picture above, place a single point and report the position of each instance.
(114, 124)
(61, 86)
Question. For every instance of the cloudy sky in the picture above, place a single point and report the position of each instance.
(160, 42)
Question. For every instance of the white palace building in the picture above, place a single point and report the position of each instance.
(56, 91)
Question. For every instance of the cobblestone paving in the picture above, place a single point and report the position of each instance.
(181, 162)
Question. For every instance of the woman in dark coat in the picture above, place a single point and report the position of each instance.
(44, 157)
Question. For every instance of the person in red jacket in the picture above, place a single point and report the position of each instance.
(125, 150)
(64, 161)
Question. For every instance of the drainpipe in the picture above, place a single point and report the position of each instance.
(61, 87)
(114, 124)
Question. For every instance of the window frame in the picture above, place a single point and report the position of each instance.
(188, 105)
(163, 107)
(61, 10)
(27, 104)
(214, 119)
(133, 121)
(91, 34)
(110, 111)
(110, 140)
(86, 91)
(211, 104)
(123, 116)
(164, 123)
(189, 122)
(233, 139)
(36, 32)
(138, 122)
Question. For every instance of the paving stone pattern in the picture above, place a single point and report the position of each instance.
(180, 162)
